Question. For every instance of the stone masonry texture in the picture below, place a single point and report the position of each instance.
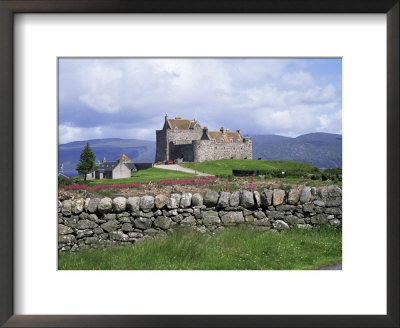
(116, 222)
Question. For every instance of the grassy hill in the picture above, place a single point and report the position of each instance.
(225, 166)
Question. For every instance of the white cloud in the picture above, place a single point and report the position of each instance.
(255, 95)
(68, 133)
(101, 87)
(298, 79)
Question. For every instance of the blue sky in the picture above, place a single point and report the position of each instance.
(128, 98)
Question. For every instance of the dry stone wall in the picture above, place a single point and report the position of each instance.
(92, 223)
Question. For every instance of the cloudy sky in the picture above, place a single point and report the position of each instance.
(128, 98)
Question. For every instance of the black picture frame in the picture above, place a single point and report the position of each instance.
(7, 10)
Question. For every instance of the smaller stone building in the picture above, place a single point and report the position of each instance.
(119, 169)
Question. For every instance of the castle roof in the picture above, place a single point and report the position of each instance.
(181, 124)
(235, 136)
(218, 136)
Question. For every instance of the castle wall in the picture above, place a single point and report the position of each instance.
(208, 150)
(180, 137)
(203, 150)
(184, 151)
(161, 145)
(180, 143)
(237, 150)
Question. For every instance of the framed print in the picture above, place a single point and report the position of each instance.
(47, 49)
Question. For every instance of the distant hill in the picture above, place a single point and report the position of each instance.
(323, 150)
(136, 150)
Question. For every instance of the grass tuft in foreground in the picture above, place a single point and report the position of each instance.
(238, 248)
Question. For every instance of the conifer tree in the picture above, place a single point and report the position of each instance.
(87, 161)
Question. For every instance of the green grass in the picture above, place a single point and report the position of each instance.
(225, 166)
(145, 176)
(233, 249)
(288, 181)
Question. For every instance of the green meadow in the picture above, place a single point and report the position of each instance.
(225, 166)
(236, 248)
(145, 176)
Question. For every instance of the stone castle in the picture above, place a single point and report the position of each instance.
(186, 140)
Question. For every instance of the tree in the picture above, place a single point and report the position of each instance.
(87, 161)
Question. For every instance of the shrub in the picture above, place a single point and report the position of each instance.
(334, 174)
(62, 181)
(271, 173)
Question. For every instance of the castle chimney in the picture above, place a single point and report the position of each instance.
(104, 159)
(227, 130)
(177, 117)
(222, 129)
(205, 134)
(238, 131)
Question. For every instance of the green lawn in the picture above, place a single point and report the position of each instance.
(145, 176)
(225, 166)
(233, 249)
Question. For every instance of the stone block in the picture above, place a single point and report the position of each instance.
(278, 197)
(266, 197)
(197, 200)
(246, 199)
(161, 201)
(305, 195)
(133, 204)
(223, 200)
(147, 203)
(105, 205)
(163, 222)
(210, 198)
(77, 206)
(119, 204)
(293, 196)
(234, 199)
